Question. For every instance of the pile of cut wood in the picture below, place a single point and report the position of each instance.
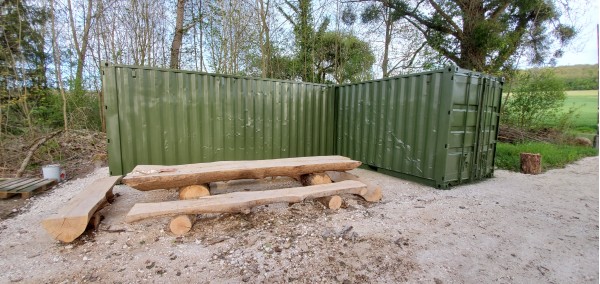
(324, 178)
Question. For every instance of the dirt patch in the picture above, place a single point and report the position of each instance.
(512, 228)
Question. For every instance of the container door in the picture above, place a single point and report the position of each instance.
(486, 130)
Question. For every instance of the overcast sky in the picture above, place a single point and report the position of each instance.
(583, 50)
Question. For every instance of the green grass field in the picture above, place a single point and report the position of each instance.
(553, 156)
(557, 156)
(586, 103)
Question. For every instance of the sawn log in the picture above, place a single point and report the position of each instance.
(373, 194)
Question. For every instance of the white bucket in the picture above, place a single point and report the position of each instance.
(53, 172)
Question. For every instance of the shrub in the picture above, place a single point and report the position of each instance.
(536, 101)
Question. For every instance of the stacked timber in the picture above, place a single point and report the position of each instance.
(324, 179)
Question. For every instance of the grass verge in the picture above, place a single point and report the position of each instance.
(553, 156)
(586, 104)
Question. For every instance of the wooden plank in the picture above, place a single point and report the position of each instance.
(40, 187)
(33, 186)
(72, 219)
(24, 182)
(374, 193)
(146, 177)
(9, 182)
(242, 201)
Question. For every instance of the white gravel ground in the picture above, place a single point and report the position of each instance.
(513, 228)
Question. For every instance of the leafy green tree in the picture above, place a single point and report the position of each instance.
(536, 101)
(485, 35)
(380, 13)
(306, 36)
(22, 63)
(343, 57)
(22, 55)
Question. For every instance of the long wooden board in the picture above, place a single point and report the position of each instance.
(147, 177)
(242, 201)
(72, 219)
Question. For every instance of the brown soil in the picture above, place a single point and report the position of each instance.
(513, 228)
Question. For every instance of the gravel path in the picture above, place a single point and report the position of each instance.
(513, 228)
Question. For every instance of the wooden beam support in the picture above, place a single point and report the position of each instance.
(193, 191)
(374, 193)
(182, 224)
(332, 202)
(314, 179)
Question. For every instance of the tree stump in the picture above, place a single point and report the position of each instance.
(531, 163)
(193, 192)
(315, 179)
(182, 224)
(333, 202)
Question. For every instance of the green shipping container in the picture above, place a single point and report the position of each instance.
(168, 117)
(438, 128)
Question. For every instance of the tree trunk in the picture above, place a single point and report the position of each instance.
(388, 40)
(265, 38)
(531, 163)
(57, 71)
(178, 38)
(81, 49)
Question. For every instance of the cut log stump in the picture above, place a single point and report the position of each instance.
(243, 201)
(531, 163)
(182, 224)
(72, 219)
(193, 191)
(315, 179)
(146, 177)
(332, 202)
(373, 193)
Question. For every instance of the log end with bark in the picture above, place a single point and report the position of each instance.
(332, 202)
(193, 191)
(531, 163)
(315, 179)
(182, 224)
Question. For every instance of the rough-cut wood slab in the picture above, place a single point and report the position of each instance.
(145, 177)
(72, 219)
(241, 201)
(374, 193)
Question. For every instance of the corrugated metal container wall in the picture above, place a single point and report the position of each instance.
(167, 117)
(438, 127)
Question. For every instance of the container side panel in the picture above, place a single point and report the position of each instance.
(392, 124)
(111, 107)
(167, 117)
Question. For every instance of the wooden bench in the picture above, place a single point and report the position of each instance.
(149, 177)
(72, 219)
(238, 202)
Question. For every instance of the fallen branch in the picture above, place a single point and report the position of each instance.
(32, 150)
